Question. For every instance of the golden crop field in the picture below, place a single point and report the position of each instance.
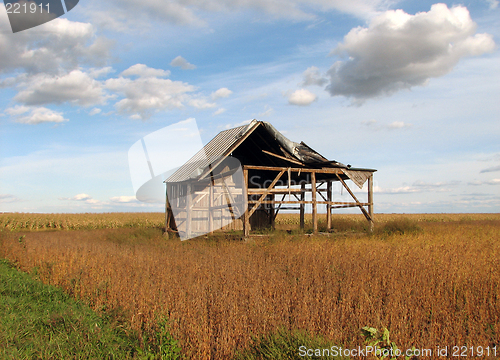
(88, 221)
(431, 279)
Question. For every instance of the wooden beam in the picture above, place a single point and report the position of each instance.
(167, 224)
(328, 205)
(370, 201)
(308, 202)
(246, 217)
(265, 193)
(271, 213)
(211, 206)
(321, 193)
(282, 157)
(274, 168)
(274, 191)
(198, 198)
(279, 207)
(355, 199)
(188, 210)
(302, 206)
(230, 201)
(314, 204)
(345, 206)
(291, 191)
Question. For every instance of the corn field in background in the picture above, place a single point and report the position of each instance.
(91, 221)
(88, 221)
(432, 280)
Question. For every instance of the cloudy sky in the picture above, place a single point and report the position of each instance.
(410, 88)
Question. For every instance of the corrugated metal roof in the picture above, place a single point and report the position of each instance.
(226, 141)
(216, 149)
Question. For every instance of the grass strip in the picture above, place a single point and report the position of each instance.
(40, 321)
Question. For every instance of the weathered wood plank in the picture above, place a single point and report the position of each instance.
(329, 205)
(302, 207)
(370, 201)
(282, 157)
(246, 217)
(297, 170)
(265, 193)
(314, 204)
(355, 199)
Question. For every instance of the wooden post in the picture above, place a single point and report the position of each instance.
(211, 205)
(189, 213)
(302, 206)
(363, 210)
(271, 212)
(246, 218)
(370, 201)
(314, 204)
(329, 206)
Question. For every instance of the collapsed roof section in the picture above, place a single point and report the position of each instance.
(260, 144)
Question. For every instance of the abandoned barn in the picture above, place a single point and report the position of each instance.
(244, 176)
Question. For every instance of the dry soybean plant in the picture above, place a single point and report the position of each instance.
(435, 287)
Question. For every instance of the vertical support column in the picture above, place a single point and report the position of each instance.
(314, 204)
(370, 200)
(271, 212)
(211, 205)
(246, 218)
(302, 205)
(329, 206)
(189, 212)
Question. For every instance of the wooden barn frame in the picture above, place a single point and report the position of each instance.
(243, 177)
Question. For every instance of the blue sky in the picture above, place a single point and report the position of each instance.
(410, 88)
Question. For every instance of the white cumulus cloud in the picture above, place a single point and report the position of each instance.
(395, 125)
(201, 103)
(142, 70)
(144, 96)
(94, 111)
(302, 97)
(17, 110)
(57, 45)
(312, 76)
(219, 111)
(124, 199)
(33, 116)
(84, 198)
(398, 51)
(76, 87)
(179, 61)
(221, 93)
(398, 125)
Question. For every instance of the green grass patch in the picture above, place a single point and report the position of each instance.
(40, 321)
